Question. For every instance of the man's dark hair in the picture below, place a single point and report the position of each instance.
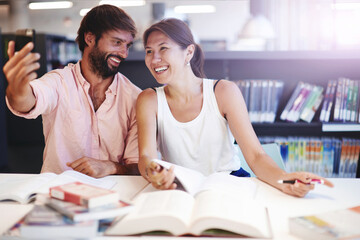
(101, 19)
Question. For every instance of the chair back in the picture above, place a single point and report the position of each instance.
(271, 149)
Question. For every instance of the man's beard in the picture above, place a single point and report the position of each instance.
(99, 63)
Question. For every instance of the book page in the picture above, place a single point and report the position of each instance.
(24, 188)
(194, 181)
(167, 210)
(230, 212)
(74, 176)
(190, 179)
(225, 182)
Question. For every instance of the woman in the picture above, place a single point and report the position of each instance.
(193, 119)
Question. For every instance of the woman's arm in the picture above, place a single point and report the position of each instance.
(146, 111)
(232, 106)
(146, 114)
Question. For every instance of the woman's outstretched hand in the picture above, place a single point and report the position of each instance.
(302, 183)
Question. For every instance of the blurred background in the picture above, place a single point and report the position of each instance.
(225, 24)
(286, 41)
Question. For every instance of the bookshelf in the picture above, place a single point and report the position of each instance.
(315, 67)
(3, 140)
(24, 138)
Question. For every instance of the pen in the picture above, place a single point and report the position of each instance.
(312, 181)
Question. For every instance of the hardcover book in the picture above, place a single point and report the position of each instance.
(43, 222)
(84, 194)
(79, 213)
(338, 224)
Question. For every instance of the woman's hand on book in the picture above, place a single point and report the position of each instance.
(160, 177)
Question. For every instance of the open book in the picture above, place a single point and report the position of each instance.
(194, 182)
(219, 204)
(24, 189)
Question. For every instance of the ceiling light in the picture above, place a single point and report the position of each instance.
(84, 11)
(50, 5)
(195, 9)
(124, 3)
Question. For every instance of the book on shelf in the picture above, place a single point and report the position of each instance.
(349, 101)
(355, 102)
(265, 88)
(328, 101)
(344, 95)
(299, 103)
(336, 224)
(84, 194)
(312, 104)
(209, 213)
(78, 213)
(289, 104)
(273, 102)
(339, 99)
(254, 101)
(43, 222)
(25, 189)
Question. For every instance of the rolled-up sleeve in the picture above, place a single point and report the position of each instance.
(46, 96)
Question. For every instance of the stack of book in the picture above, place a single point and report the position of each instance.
(342, 101)
(334, 224)
(327, 157)
(303, 103)
(71, 210)
(262, 98)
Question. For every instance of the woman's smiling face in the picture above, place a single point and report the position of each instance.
(164, 57)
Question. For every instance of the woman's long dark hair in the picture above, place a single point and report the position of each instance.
(180, 33)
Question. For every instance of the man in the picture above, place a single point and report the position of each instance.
(88, 108)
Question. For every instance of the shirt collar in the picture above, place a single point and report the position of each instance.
(112, 88)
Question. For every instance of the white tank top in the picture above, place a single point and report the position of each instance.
(204, 143)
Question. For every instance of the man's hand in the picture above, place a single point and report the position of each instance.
(19, 71)
(101, 168)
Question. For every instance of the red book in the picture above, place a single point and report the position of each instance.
(84, 194)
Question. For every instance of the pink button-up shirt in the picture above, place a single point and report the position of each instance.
(72, 128)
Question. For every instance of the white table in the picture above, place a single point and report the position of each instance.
(346, 193)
